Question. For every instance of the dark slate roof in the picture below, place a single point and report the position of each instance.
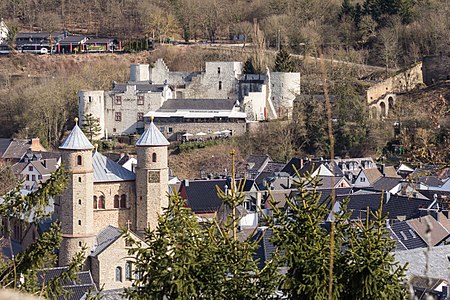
(404, 206)
(265, 246)
(407, 236)
(4, 143)
(261, 178)
(256, 162)
(386, 183)
(116, 294)
(105, 238)
(274, 167)
(77, 288)
(198, 104)
(398, 244)
(289, 167)
(9, 244)
(106, 170)
(430, 181)
(140, 87)
(202, 194)
(16, 148)
(22, 35)
(72, 39)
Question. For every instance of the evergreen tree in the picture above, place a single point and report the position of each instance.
(248, 67)
(363, 267)
(91, 126)
(283, 62)
(20, 272)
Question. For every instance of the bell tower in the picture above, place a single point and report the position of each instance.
(76, 214)
(152, 177)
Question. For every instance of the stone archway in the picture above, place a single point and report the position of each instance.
(383, 109)
(373, 112)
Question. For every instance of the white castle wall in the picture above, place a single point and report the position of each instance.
(139, 72)
(92, 102)
(284, 88)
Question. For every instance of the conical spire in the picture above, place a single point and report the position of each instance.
(76, 140)
(152, 137)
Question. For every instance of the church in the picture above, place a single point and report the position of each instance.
(102, 197)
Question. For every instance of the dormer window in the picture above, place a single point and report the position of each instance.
(79, 160)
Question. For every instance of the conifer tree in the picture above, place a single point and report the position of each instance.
(248, 67)
(91, 126)
(363, 267)
(20, 272)
(283, 62)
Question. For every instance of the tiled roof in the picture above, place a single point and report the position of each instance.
(50, 166)
(106, 170)
(372, 174)
(256, 162)
(297, 163)
(407, 236)
(386, 183)
(76, 140)
(430, 181)
(16, 148)
(77, 289)
(273, 167)
(421, 225)
(105, 238)
(116, 294)
(389, 171)
(4, 143)
(202, 195)
(265, 246)
(198, 104)
(152, 137)
(432, 263)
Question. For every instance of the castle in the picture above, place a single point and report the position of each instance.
(221, 96)
(102, 197)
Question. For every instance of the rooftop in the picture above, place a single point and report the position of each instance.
(152, 137)
(76, 140)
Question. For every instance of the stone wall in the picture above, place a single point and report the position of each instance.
(117, 217)
(436, 68)
(92, 102)
(284, 88)
(103, 267)
(129, 109)
(400, 83)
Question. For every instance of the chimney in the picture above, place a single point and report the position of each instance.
(258, 199)
(44, 163)
(35, 145)
(301, 163)
(186, 182)
(387, 197)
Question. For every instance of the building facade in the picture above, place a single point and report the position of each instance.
(102, 197)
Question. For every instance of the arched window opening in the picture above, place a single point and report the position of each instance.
(116, 201)
(154, 157)
(128, 269)
(79, 160)
(118, 274)
(123, 201)
(101, 202)
(95, 202)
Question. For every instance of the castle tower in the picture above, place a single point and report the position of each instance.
(152, 176)
(76, 214)
(93, 102)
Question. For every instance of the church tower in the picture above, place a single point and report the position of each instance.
(152, 177)
(76, 214)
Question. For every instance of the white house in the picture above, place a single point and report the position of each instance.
(3, 31)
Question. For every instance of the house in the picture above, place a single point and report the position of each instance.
(128, 162)
(102, 45)
(367, 178)
(256, 164)
(14, 150)
(37, 172)
(72, 44)
(211, 117)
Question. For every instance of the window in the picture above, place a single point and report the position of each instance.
(140, 116)
(79, 222)
(90, 99)
(79, 201)
(116, 201)
(170, 129)
(118, 274)
(101, 202)
(114, 130)
(40, 177)
(79, 160)
(140, 100)
(118, 100)
(218, 70)
(362, 179)
(80, 244)
(33, 177)
(28, 177)
(220, 85)
(128, 268)
(79, 179)
(118, 116)
(154, 157)
(162, 129)
(95, 202)
(123, 201)
(30, 168)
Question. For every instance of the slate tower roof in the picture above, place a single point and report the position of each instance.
(76, 140)
(152, 137)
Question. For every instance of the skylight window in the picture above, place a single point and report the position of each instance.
(403, 235)
(413, 233)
